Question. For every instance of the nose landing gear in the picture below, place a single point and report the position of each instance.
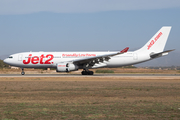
(22, 73)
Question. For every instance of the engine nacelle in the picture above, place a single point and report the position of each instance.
(66, 67)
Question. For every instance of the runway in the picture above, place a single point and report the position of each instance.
(95, 75)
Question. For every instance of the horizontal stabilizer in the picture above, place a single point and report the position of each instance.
(152, 55)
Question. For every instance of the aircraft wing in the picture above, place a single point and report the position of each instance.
(99, 58)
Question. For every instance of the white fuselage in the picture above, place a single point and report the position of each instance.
(51, 59)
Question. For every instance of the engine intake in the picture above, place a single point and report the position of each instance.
(66, 67)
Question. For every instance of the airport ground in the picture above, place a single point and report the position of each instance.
(115, 71)
(93, 97)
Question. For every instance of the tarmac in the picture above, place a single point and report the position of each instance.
(95, 75)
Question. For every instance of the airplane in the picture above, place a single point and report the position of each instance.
(72, 61)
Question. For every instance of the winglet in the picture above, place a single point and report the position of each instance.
(125, 50)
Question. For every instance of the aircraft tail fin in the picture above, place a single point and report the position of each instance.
(157, 43)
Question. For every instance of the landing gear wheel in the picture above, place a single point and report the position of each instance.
(90, 73)
(22, 73)
(84, 73)
(87, 72)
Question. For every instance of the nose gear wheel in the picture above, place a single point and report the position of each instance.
(22, 73)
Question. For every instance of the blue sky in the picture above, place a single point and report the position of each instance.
(86, 25)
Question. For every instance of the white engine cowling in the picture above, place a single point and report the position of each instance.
(66, 67)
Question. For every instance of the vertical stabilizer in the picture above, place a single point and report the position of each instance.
(157, 43)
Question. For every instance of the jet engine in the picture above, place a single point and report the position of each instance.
(66, 67)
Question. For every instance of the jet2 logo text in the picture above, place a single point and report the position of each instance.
(153, 41)
(36, 59)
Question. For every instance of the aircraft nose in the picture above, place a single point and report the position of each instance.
(5, 61)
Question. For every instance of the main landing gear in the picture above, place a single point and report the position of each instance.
(87, 72)
(22, 73)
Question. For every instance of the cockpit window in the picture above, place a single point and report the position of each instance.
(10, 56)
